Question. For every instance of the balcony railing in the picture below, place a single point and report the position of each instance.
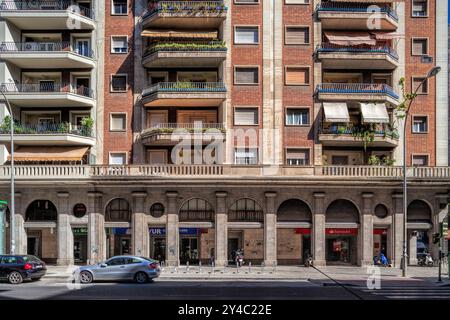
(186, 46)
(189, 8)
(246, 215)
(46, 6)
(357, 88)
(189, 126)
(330, 47)
(63, 46)
(349, 129)
(186, 87)
(197, 215)
(354, 7)
(24, 88)
(48, 128)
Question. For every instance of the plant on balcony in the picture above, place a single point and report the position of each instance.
(88, 124)
(5, 125)
(383, 161)
(188, 46)
(365, 133)
(63, 127)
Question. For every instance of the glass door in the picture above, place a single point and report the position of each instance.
(82, 47)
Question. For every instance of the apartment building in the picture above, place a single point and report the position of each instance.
(267, 126)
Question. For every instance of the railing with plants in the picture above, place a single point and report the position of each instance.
(352, 129)
(168, 128)
(330, 47)
(46, 128)
(214, 8)
(185, 87)
(44, 5)
(44, 47)
(355, 7)
(349, 88)
(46, 87)
(186, 46)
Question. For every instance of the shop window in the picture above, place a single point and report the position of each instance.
(342, 210)
(294, 210)
(118, 210)
(419, 211)
(246, 209)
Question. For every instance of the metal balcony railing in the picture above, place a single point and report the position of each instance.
(48, 128)
(196, 215)
(63, 46)
(354, 7)
(348, 129)
(358, 88)
(45, 87)
(186, 46)
(186, 87)
(330, 47)
(246, 215)
(193, 8)
(202, 125)
(39, 5)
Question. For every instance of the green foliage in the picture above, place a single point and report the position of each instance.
(87, 122)
(188, 46)
(365, 133)
(383, 161)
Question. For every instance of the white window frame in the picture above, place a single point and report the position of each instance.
(308, 110)
(118, 152)
(118, 14)
(111, 114)
(112, 41)
(246, 148)
(297, 148)
(413, 123)
(246, 26)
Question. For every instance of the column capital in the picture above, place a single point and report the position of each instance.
(171, 194)
(139, 194)
(95, 194)
(270, 194)
(367, 194)
(319, 194)
(221, 194)
(63, 194)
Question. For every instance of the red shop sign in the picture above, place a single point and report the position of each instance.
(380, 231)
(342, 231)
(302, 231)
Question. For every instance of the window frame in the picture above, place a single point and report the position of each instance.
(308, 110)
(427, 155)
(297, 67)
(245, 107)
(246, 26)
(427, 46)
(248, 67)
(118, 14)
(112, 41)
(427, 10)
(427, 85)
(111, 82)
(118, 152)
(244, 3)
(297, 26)
(111, 114)
(426, 123)
(246, 148)
(297, 148)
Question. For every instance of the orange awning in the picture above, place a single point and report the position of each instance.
(179, 34)
(49, 153)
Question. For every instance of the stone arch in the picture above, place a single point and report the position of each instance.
(294, 210)
(246, 209)
(41, 210)
(196, 209)
(118, 210)
(419, 211)
(342, 210)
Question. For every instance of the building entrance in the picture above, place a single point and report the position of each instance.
(189, 250)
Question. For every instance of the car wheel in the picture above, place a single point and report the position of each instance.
(140, 277)
(85, 277)
(15, 278)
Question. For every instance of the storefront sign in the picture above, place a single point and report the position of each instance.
(80, 231)
(382, 232)
(342, 231)
(302, 231)
(184, 231)
(121, 230)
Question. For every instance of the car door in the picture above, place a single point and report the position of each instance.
(106, 270)
(115, 269)
(133, 265)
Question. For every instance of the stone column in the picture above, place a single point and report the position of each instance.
(20, 234)
(318, 232)
(172, 233)
(412, 248)
(397, 234)
(140, 237)
(221, 229)
(441, 212)
(366, 229)
(270, 230)
(64, 233)
(96, 228)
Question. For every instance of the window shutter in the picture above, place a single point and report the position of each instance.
(117, 122)
(297, 35)
(246, 75)
(419, 46)
(297, 75)
(296, 154)
(120, 42)
(246, 35)
(246, 116)
(117, 158)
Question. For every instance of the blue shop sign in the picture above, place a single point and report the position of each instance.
(120, 231)
(185, 231)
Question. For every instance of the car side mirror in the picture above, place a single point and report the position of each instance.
(103, 265)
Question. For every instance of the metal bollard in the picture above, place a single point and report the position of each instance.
(250, 267)
(237, 267)
(274, 267)
(187, 266)
(262, 267)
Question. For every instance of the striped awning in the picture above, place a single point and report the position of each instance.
(349, 38)
(336, 112)
(49, 153)
(374, 113)
(180, 34)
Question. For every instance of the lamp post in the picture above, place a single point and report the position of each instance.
(432, 73)
(12, 211)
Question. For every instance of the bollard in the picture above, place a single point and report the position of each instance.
(274, 267)
(199, 267)
(225, 264)
(187, 266)
(250, 267)
(161, 264)
(237, 267)
(262, 267)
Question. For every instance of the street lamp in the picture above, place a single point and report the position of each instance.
(432, 73)
(12, 211)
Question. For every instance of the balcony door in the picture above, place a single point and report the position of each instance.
(82, 85)
(156, 118)
(157, 156)
(82, 47)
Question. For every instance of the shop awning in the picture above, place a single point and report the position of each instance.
(49, 153)
(350, 38)
(336, 112)
(374, 113)
(167, 34)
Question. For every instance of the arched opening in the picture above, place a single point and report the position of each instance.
(341, 232)
(118, 232)
(245, 230)
(40, 223)
(419, 217)
(294, 220)
(197, 239)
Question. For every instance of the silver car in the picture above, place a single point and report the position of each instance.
(120, 268)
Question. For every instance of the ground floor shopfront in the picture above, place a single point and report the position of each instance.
(179, 225)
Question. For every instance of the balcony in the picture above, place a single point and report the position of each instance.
(45, 55)
(355, 16)
(185, 54)
(185, 14)
(372, 92)
(345, 135)
(374, 57)
(161, 134)
(184, 94)
(49, 134)
(48, 95)
(47, 15)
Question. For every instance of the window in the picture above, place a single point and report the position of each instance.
(419, 160)
(119, 44)
(246, 1)
(420, 8)
(118, 158)
(245, 116)
(119, 7)
(297, 117)
(296, 76)
(115, 262)
(296, 35)
(246, 35)
(420, 124)
(246, 156)
(118, 122)
(297, 157)
(416, 82)
(246, 75)
(419, 47)
(118, 83)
